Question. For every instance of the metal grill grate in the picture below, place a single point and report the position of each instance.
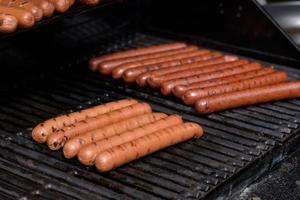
(234, 142)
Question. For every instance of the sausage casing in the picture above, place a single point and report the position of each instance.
(191, 96)
(8, 23)
(179, 90)
(41, 131)
(25, 18)
(88, 153)
(94, 62)
(248, 97)
(119, 155)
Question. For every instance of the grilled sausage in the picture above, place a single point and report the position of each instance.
(47, 7)
(94, 62)
(72, 146)
(25, 4)
(60, 5)
(107, 66)
(191, 96)
(90, 2)
(249, 97)
(119, 155)
(40, 132)
(57, 140)
(167, 86)
(25, 18)
(130, 75)
(118, 71)
(8, 23)
(155, 81)
(142, 79)
(87, 154)
(179, 90)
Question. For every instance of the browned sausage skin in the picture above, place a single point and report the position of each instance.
(88, 153)
(41, 132)
(167, 86)
(25, 4)
(179, 90)
(8, 23)
(119, 70)
(191, 96)
(47, 7)
(108, 66)
(142, 79)
(60, 5)
(94, 62)
(57, 139)
(248, 97)
(119, 155)
(155, 81)
(72, 146)
(25, 18)
(130, 75)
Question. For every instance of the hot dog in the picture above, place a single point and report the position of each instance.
(248, 97)
(60, 5)
(119, 155)
(72, 146)
(167, 86)
(8, 23)
(25, 18)
(57, 139)
(118, 71)
(191, 96)
(94, 62)
(130, 75)
(87, 154)
(107, 66)
(90, 2)
(179, 90)
(142, 79)
(155, 81)
(40, 132)
(46, 6)
(27, 5)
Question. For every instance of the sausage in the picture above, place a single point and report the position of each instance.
(47, 7)
(191, 96)
(60, 5)
(72, 146)
(40, 132)
(249, 97)
(124, 153)
(130, 75)
(179, 90)
(27, 5)
(25, 18)
(57, 139)
(87, 154)
(142, 79)
(155, 81)
(90, 2)
(167, 86)
(94, 62)
(118, 71)
(107, 66)
(8, 23)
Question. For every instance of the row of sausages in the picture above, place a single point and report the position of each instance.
(209, 80)
(25, 13)
(115, 133)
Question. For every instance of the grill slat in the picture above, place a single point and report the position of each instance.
(234, 139)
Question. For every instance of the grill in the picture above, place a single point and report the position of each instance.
(239, 145)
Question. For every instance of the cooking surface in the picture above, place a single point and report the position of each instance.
(238, 145)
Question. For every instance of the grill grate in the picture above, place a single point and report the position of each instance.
(234, 141)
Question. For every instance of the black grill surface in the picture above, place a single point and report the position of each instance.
(238, 145)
